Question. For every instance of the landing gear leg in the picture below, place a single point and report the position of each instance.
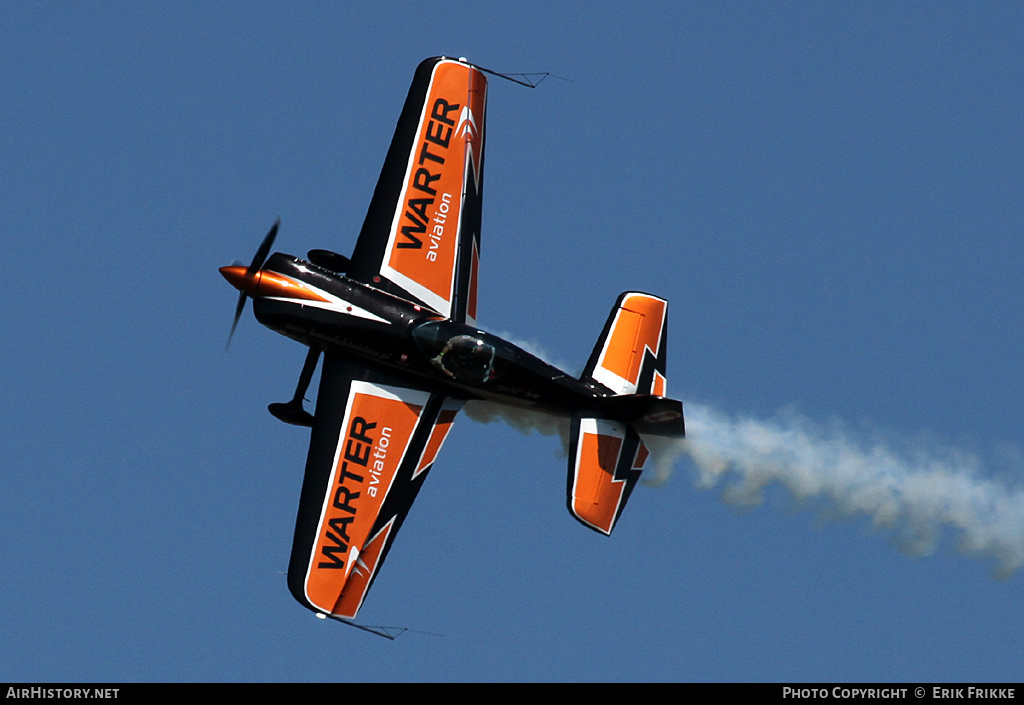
(292, 412)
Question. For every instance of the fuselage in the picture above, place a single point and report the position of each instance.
(327, 310)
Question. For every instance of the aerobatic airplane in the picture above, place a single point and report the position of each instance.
(396, 325)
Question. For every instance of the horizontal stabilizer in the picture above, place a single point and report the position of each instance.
(630, 355)
(606, 459)
(629, 360)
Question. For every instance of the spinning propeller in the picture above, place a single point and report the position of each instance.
(241, 282)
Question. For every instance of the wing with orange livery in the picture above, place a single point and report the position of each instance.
(421, 236)
(372, 445)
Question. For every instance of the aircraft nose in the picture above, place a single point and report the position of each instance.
(238, 277)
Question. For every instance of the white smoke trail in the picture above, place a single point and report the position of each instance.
(522, 420)
(918, 496)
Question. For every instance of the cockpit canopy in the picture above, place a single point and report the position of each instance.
(460, 352)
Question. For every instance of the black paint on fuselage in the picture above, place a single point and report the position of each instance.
(411, 342)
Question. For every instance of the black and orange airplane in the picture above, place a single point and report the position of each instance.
(396, 325)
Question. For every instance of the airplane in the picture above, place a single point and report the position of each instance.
(396, 326)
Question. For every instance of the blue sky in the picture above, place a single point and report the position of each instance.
(828, 194)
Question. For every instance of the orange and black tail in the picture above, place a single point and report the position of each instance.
(607, 454)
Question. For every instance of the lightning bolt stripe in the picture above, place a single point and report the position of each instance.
(358, 585)
(606, 460)
(637, 328)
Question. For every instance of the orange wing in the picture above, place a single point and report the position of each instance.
(372, 444)
(421, 236)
